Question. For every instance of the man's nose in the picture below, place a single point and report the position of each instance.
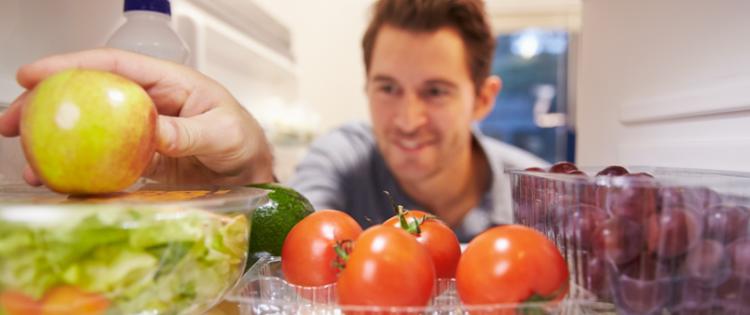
(412, 114)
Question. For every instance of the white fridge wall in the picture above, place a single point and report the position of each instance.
(665, 83)
(33, 29)
(326, 40)
(230, 41)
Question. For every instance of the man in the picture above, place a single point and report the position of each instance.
(428, 81)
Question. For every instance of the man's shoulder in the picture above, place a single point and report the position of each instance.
(511, 156)
(330, 175)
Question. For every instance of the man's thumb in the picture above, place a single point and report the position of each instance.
(175, 137)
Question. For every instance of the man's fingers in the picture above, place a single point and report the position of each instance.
(143, 70)
(168, 81)
(218, 133)
(30, 177)
(179, 137)
(11, 118)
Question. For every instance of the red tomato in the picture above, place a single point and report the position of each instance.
(308, 257)
(437, 237)
(387, 267)
(511, 264)
(64, 300)
(69, 300)
(15, 303)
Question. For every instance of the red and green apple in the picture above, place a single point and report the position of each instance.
(88, 131)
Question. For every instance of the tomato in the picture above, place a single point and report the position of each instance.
(308, 256)
(15, 303)
(436, 236)
(511, 264)
(64, 300)
(69, 300)
(387, 267)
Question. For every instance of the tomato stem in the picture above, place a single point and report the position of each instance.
(402, 218)
(342, 249)
(393, 202)
(412, 227)
(369, 220)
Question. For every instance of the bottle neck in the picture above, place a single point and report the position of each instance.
(147, 15)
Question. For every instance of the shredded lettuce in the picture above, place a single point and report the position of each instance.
(146, 260)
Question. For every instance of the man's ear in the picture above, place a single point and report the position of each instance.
(485, 101)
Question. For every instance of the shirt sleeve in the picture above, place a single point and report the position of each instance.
(515, 158)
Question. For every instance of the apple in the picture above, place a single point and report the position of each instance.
(88, 132)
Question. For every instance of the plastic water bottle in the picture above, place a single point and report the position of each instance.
(147, 31)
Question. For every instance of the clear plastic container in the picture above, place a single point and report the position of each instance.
(147, 31)
(155, 250)
(263, 290)
(678, 241)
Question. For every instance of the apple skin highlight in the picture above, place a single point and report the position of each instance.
(88, 131)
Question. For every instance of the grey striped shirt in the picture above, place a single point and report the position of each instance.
(344, 170)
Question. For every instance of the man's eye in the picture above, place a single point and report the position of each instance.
(436, 92)
(387, 88)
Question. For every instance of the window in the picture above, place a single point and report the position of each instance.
(531, 111)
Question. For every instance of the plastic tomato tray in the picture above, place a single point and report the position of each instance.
(263, 290)
(677, 242)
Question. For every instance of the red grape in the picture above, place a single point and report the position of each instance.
(613, 170)
(563, 167)
(707, 263)
(618, 239)
(673, 232)
(726, 223)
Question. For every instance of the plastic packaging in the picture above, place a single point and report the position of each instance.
(157, 250)
(147, 31)
(676, 241)
(263, 290)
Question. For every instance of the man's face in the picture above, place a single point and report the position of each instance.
(422, 100)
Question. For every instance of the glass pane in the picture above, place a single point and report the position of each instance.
(531, 110)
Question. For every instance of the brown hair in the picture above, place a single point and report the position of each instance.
(466, 16)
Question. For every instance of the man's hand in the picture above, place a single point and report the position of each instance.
(205, 136)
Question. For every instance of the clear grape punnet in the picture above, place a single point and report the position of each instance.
(647, 239)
